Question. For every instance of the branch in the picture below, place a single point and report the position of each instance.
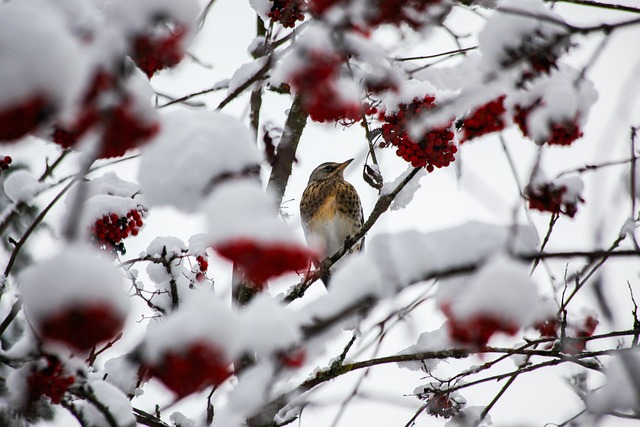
(283, 163)
(600, 5)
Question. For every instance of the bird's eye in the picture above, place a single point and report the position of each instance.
(328, 168)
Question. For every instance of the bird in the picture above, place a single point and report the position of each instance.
(330, 210)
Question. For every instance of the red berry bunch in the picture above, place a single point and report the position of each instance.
(154, 53)
(122, 126)
(49, 382)
(67, 136)
(583, 330)
(5, 162)
(262, 261)
(109, 231)
(441, 404)
(560, 133)
(124, 130)
(435, 149)
(294, 358)
(203, 266)
(83, 326)
(22, 118)
(396, 12)
(316, 84)
(286, 12)
(548, 197)
(319, 7)
(198, 366)
(486, 119)
(476, 330)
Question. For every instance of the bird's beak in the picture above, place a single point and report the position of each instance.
(344, 165)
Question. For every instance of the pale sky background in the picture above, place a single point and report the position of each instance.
(485, 192)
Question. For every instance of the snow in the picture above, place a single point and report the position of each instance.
(134, 16)
(565, 96)
(54, 69)
(262, 7)
(197, 147)
(102, 196)
(201, 318)
(180, 420)
(435, 340)
(620, 391)
(245, 73)
(241, 209)
(199, 243)
(75, 277)
(166, 247)
(267, 326)
(574, 188)
(502, 288)
(21, 186)
(405, 196)
(114, 400)
(392, 262)
(507, 31)
(122, 372)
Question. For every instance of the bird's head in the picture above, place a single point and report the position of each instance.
(329, 170)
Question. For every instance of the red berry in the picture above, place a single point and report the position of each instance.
(49, 382)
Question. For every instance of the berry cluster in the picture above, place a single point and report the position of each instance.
(560, 133)
(262, 261)
(189, 370)
(20, 119)
(123, 127)
(5, 162)
(203, 266)
(486, 119)
(435, 149)
(84, 326)
(397, 12)
(319, 7)
(585, 329)
(109, 231)
(152, 54)
(477, 330)
(316, 84)
(549, 197)
(538, 52)
(286, 12)
(441, 404)
(294, 358)
(49, 382)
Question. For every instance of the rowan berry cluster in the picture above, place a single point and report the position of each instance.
(154, 53)
(191, 369)
(262, 261)
(109, 231)
(5, 162)
(286, 12)
(316, 84)
(478, 329)
(22, 118)
(435, 149)
(559, 133)
(50, 382)
(485, 119)
(83, 326)
(203, 266)
(123, 127)
(549, 197)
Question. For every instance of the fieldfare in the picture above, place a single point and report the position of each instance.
(331, 210)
